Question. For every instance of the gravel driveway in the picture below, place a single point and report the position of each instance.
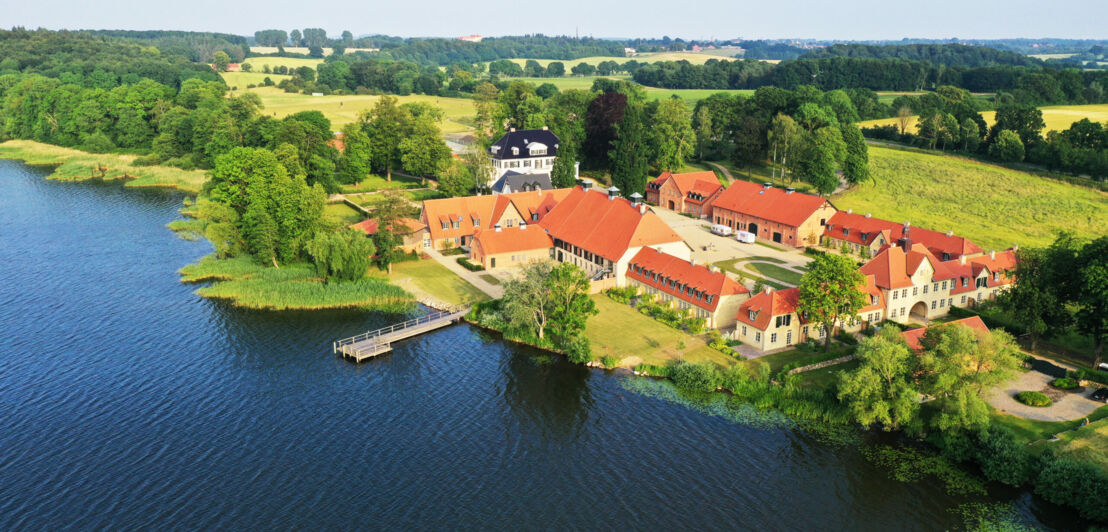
(1067, 405)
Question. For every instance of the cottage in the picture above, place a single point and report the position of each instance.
(770, 213)
(409, 230)
(982, 277)
(691, 192)
(706, 293)
(453, 221)
(769, 320)
(913, 336)
(510, 248)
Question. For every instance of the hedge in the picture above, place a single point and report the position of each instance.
(469, 265)
(1037, 399)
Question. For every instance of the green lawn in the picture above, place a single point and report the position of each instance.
(434, 279)
(1029, 430)
(1057, 117)
(373, 183)
(458, 113)
(240, 80)
(77, 165)
(733, 266)
(774, 271)
(621, 331)
(824, 378)
(994, 206)
(341, 214)
(291, 62)
(696, 58)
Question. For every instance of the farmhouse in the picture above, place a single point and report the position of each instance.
(691, 192)
(771, 213)
(913, 336)
(706, 293)
(600, 233)
(453, 221)
(510, 248)
(524, 151)
(867, 235)
(409, 230)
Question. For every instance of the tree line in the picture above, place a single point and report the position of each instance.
(196, 46)
(959, 55)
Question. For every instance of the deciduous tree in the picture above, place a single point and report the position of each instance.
(830, 292)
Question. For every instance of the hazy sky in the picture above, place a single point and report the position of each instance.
(843, 19)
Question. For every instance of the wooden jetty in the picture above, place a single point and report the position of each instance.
(373, 343)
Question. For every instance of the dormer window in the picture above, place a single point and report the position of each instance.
(753, 315)
(495, 150)
(515, 150)
(996, 276)
(708, 299)
(445, 225)
(872, 299)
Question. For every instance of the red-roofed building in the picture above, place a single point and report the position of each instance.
(600, 233)
(915, 283)
(858, 232)
(982, 277)
(769, 320)
(704, 292)
(410, 232)
(913, 336)
(453, 221)
(773, 214)
(510, 248)
(691, 192)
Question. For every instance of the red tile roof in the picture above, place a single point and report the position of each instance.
(512, 239)
(603, 226)
(767, 305)
(691, 181)
(771, 203)
(913, 336)
(857, 225)
(893, 267)
(875, 299)
(485, 209)
(405, 225)
(649, 261)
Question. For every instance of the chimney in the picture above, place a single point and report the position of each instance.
(613, 192)
(962, 260)
(767, 185)
(511, 130)
(544, 128)
(992, 254)
(850, 211)
(522, 225)
(713, 269)
(496, 228)
(790, 190)
(868, 215)
(1016, 247)
(587, 185)
(642, 208)
(692, 261)
(907, 229)
(636, 199)
(950, 233)
(769, 290)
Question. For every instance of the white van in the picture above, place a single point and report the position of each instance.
(721, 230)
(744, 237)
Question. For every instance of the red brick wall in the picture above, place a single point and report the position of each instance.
(766, 228)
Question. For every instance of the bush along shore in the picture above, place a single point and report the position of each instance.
(76, 165)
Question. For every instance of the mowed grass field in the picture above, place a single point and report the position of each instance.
(302, 50)
(242, 80)
(585, 83)
(341, 110)
(994, 206)
(633, 338)
(1057, 117)
(696, 58)
(290, 62)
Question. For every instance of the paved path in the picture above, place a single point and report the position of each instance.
(473, 278)
(1067, 405)
(696, 234)
(726, 173)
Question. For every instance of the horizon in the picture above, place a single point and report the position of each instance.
(860, 20)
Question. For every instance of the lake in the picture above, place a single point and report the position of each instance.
(127, 402)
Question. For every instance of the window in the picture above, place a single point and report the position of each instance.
(753, 314)
(457, 224)
(785, 320)
(709, 299)
(950, 302)
(963, 300)
(534, 217)
(933, 304)
(773, 338)
(444, 225)
(936, 286)
(942, 303)
(744, 330)
(944, 285)
(965, 282)
(757, 337)
(915, 290)
(872, 299)
(822, 332)
(895, 294)
(925, 289)
(789, 338)
(904, 293)
(805, 330)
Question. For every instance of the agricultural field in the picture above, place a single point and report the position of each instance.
(1057, 117)
(994, 206)
(242, 80)
(342, 110)
(696, 58)
(302, 50)
(1044, 57)
(290, 62)
(691, 96)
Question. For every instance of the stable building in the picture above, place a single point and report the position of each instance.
(866, 235)
(773, 214)
(600, 233)
(502, 248)
(704, 292)
(691, 192)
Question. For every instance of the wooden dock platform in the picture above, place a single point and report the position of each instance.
(373, 343)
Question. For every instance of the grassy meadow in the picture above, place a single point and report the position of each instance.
(696, 58)
(342, 110)
(291, 62)
(240, 80)
(1057, 117)
(301, 50)
(633, 338)
(77, 165)
(691, 96)
(994, 206)
(429, 277)
(247, 284)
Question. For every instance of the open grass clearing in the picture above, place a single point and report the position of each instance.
(300, 50)
(626, 334)
(774, 271)
(458, 113)
(341, 214)
(1056, 117)
(994, 206)
(827, 377)
(429, 277)
(735, 266)
(374, 183)
(696, 58)
(568, 82)
(259, 63)
(239, 81)
(77, 165)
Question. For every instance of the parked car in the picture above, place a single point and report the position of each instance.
(721, 230)
(744, 237)
(1100, 395)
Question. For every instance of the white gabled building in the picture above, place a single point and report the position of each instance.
(524, 151)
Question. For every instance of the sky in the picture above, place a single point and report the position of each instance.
(700, 19)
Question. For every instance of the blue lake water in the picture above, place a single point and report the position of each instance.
(127, 402)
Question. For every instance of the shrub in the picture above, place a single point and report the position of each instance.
(654, 371)
(1092, 375)
(1083, 486)
(846, 337)
(469, 265)
(622, 295)
(696, 377)
(341, 256)
(1037, 399)
(1001, 458)
(1064, 383)
(453, 251)
(609, 361)
(578, 349)
(814, 252)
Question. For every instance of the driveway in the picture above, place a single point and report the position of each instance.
(1067, 405)
(696, 233)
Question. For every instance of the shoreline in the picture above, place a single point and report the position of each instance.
(73, 165)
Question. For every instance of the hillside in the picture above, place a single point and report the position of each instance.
(994, 206)
(1057, 117)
